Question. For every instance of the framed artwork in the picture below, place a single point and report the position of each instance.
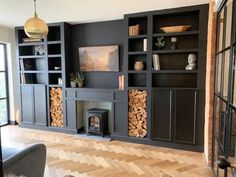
(99, 58)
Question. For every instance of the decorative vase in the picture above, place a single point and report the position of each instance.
(156, 62)
(138, 65)
(73, 84)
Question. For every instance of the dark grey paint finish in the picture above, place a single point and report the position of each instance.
(98, 34)
(184, 118)
(33, 104)
(162, 109)
(197, 17)
(40, 106)
(27, 104)
(71, 114)
(115, 33)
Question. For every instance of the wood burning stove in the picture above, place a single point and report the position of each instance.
(97, 121)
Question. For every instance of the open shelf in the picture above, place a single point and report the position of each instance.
(176, 51)
(54, 56)
(32, 78)
(174, 62)
(187, 42)
(174, 80)
(54, 49)
(138, 36)
(30, 44)
(137, 80)
(142, 21)
(32, 56)
(55, 71)
(185, 33)
(136, 44)
(54, 33)
(137, 53)
(54, 42)
(174, 71)
(133, 71)
(175, 19)
(32, 71)
(137, 88)
(55, 85)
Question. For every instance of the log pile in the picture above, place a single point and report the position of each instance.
(137, 113)
(56, 110)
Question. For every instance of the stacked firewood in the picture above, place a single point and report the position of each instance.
(137, 113)
(56, 110)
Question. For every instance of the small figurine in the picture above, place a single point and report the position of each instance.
(192, 58)
(160, 43)
(39, 50)
(173, 43)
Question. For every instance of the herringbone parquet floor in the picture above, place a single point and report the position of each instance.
(81, 157)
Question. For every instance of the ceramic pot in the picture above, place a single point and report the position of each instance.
(73, 84)
(138, 66)
(80, 84)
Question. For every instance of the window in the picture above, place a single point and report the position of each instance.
(4, 113)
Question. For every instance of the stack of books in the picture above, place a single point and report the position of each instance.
(134, 30)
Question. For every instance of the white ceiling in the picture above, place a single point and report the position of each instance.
(16, 12)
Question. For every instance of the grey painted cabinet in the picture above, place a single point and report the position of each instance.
(162, 114)
(120, 124)
(184, 116)
(71, 114)
(174, 115)
(33, 103)
(27, 106)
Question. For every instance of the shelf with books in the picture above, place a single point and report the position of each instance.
(174, 61)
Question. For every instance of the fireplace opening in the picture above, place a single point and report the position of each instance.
(97, 121)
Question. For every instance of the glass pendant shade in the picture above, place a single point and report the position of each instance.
(36, 27)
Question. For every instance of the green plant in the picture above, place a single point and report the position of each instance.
(80, 76)
(160, 43)
(73, 77)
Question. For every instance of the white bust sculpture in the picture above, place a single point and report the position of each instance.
(192, 58)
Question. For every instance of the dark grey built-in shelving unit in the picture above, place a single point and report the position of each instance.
(175, 101)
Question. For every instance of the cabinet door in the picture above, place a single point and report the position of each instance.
(184, 103)
(27, 104)
(120, 118)
(71, 117)
(40, 107)
(161, 122)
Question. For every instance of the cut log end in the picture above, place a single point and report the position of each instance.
(56, 109)
(137, 113)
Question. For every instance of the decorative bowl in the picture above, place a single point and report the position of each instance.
(57, 67)
(175, 29)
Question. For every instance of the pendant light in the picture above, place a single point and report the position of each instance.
(36, 27)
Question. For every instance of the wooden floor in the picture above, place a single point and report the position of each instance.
(71, 155)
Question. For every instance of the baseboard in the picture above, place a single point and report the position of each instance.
(13, 122)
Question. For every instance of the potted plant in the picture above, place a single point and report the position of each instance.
(73, 80)
(80, 79)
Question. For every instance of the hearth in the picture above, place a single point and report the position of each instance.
(97, 121)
